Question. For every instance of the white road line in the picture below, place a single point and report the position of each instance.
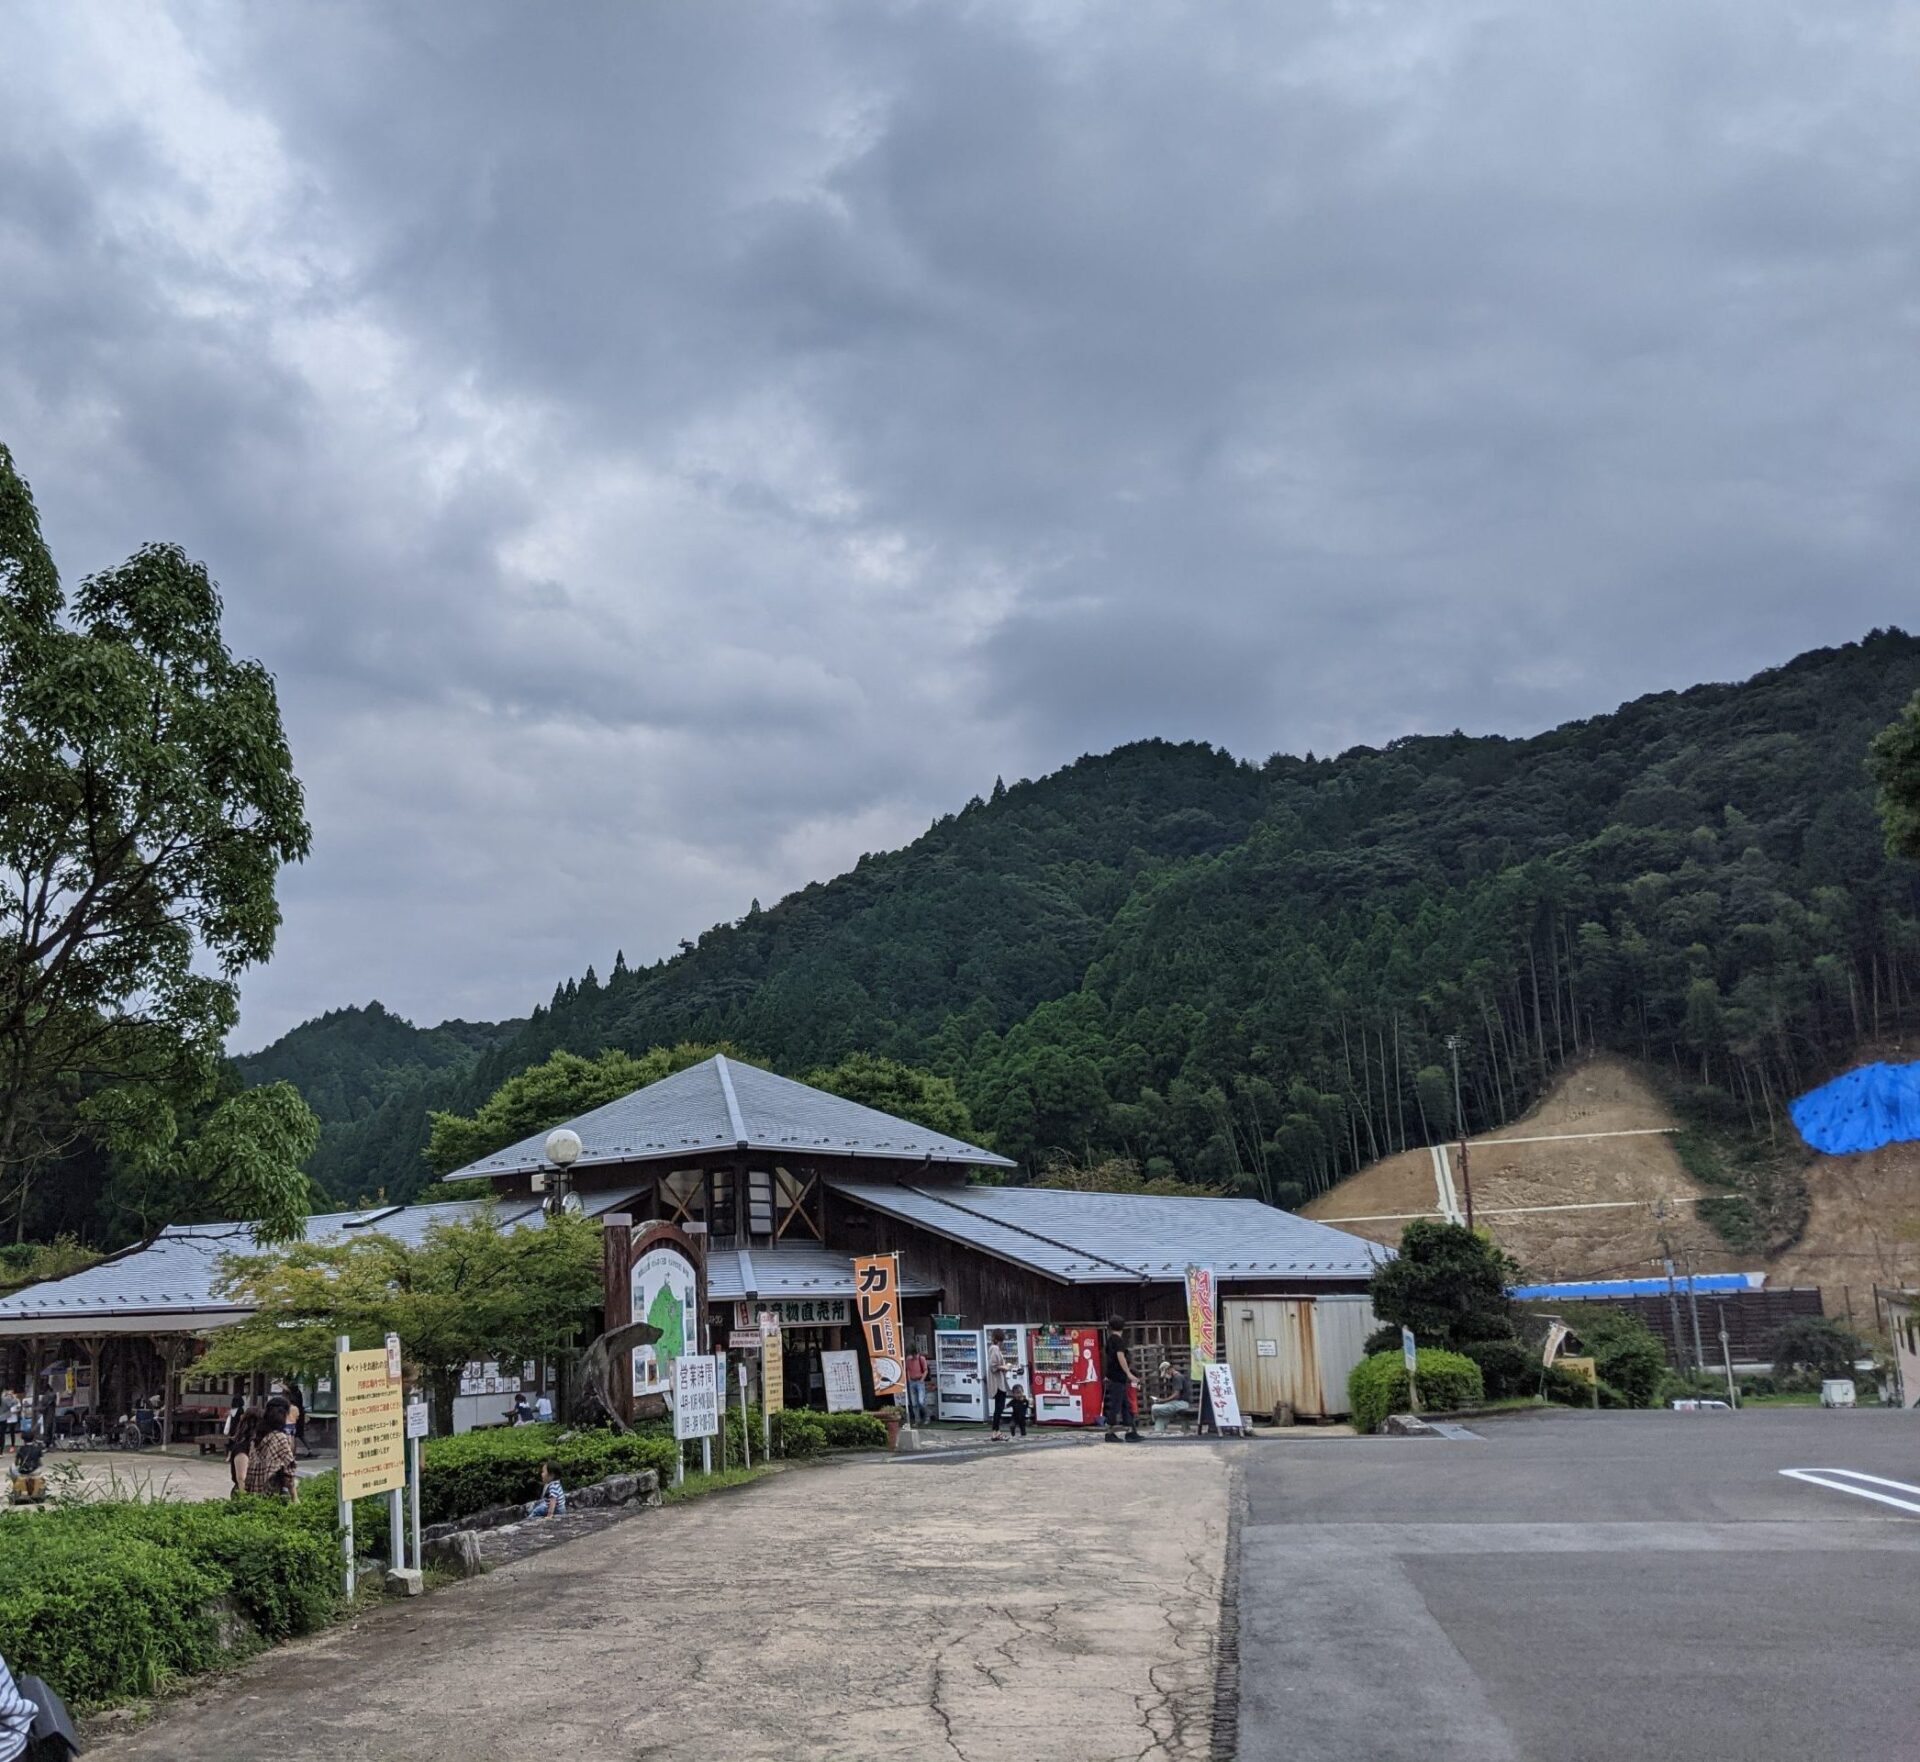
(1817, 1477)
(1569, 1137)
(1388, 1217)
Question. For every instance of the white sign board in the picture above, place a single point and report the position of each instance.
(1226, 1404)
(664, 1291)
(1409, 1350)
(393, 1358)
(842, 1373)
(1266, 1348)
(416, 1419)
(696, 1396)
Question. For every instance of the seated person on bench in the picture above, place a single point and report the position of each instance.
(1176, 1399)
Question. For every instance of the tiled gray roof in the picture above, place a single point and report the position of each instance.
(788, 1272)
(721, 1104)
(174, 1274)
(1106, 1238)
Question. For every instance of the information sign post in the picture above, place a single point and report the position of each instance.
(372, 1439)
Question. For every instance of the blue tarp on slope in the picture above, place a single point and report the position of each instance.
(1870, 1106)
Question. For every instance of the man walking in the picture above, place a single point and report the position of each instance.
(1117, 1385)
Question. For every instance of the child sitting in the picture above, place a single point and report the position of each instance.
(1022, 1405)
(553, 1497)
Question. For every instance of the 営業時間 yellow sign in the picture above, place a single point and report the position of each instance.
(373, 1425)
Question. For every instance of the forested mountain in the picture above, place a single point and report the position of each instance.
(371, 1076)
(1247, 972)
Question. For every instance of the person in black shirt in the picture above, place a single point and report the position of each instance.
(1117, 1384)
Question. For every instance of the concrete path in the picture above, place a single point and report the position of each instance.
(1584, 1588)
(1053, 1603)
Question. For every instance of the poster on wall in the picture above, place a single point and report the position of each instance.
(876, 1282)
(1202, 1308)
(665, 1294)
(842, 1373)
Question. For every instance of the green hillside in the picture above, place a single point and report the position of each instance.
(1248, 971)
(371, 1076)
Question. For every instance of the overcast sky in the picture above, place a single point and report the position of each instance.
(665, 450)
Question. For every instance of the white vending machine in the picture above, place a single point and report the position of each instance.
(1011, 1338)
(960, 1373)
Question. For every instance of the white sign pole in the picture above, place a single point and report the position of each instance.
(341, 1347)
(416, 1430)
(746, 1437)
(396, 1509)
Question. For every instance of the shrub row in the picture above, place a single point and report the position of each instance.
(1377, 1386)
(111, 1600)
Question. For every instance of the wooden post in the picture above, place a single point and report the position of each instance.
(616, 1261)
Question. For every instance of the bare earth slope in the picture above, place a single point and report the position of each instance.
(1863, 1227)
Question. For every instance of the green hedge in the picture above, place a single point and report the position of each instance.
(1507, 1368)
(1378, 1385)
(111, 1600)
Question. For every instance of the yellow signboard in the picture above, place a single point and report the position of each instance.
(1583, 1368)
(773, 1363)
(373, 1426)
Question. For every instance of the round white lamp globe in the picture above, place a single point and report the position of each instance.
(563, 1147)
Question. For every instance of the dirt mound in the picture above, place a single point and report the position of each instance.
(1863, 1228)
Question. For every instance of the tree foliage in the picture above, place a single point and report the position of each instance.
(467, 1289)
(556, 1089)
(1895, 763)
(897, 1089)
(147, 803)
(1448, 1284)
(1817, 1345)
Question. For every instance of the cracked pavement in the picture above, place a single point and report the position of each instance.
(1054, 1603)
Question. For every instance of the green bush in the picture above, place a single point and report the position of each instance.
(1626, 1353)
(1378, 1385)
(1507, 1368)
(796, 1432)
(854, 1431)
(111, 1600)
(1567, 1388)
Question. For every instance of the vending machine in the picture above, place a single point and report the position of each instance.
(1066, 1375)
(1011, 1338)
(960, 1373)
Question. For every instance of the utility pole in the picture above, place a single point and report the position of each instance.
(1666, 1260)
(1726, 1358)
(1460, 1128)
(1693, 1304)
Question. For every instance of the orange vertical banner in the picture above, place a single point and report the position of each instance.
(876, 1286)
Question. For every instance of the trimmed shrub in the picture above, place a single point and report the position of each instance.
(1507, 1368)
(1567, 1388)
(1377, 1386)
(797, 1432)
(111, 1600)
(854, 1431)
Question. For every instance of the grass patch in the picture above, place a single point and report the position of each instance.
(696, 1483)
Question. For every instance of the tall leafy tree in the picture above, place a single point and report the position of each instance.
(147, 803)
(467, 1289)
(902, 1090)
(1448, 1284)
(1895, 763)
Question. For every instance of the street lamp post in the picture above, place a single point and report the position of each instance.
(562, 1151)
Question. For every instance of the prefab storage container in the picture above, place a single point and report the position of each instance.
(1295, 1352)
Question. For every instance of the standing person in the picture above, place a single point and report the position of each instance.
(241, 1435)
(997, 1380)
(1022, 1405)
(1117, 1384)
(916, 1387)
(270, 1467)
(9, 1418)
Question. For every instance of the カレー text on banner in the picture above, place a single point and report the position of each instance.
(876, 1289)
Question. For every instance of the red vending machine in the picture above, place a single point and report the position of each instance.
(1066, 1375)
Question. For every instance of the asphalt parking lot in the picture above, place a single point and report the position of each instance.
(1572, 1586)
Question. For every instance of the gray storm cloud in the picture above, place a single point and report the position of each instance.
(666, 451)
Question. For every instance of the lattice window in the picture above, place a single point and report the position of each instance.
(796, 1200)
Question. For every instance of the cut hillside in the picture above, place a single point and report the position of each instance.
(1862, 1225)
(1569, 1190)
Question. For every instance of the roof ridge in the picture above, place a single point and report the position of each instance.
(1137, 1272)
(733, 1104)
